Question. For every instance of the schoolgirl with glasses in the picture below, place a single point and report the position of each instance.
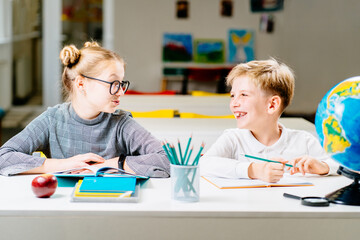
(87, 129)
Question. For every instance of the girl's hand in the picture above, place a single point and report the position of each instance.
(306, 164)
(81, 160)
(113, 162)
(78, 161)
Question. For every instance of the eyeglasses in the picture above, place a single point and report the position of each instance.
(114, 86)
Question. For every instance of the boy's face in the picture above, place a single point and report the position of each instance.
(249, 104)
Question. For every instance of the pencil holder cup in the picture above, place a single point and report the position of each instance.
(185, 183)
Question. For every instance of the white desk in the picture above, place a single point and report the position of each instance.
(220, 214)
(204, 129)
(218, 105)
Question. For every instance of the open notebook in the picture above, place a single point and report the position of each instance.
(228, 183)
(68, 179)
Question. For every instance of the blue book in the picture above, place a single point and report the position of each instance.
(108, 184)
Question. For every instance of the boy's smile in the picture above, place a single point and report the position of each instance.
(238, 114)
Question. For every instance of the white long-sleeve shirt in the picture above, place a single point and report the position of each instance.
(225, 159)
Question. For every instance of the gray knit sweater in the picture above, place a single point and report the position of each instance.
(60, 133)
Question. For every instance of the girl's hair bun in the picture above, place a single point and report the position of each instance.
(91, 44)
(69, 55)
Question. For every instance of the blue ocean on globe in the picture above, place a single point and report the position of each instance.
(337, 123)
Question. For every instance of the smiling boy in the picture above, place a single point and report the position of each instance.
(261, 90)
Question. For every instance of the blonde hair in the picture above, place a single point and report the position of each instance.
(270, 75)
(89, 60)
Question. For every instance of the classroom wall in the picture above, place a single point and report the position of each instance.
(5, 76)
(317, 38)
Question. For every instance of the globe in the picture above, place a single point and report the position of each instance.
(337, 123)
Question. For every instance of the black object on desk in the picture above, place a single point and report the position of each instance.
(310, 201)
(348, 195)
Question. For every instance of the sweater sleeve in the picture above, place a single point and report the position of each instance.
(145, 155)
(220, 160)
(15, 154)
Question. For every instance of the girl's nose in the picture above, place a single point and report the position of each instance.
(120, 92)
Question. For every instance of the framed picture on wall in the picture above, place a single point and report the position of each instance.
(209, 51)
(182, 9)
(226, 8)
(266, 5)
(241, 45)
(177, 47)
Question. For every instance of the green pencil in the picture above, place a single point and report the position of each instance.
(181, 157)
(187, 147)
(265, 160)
(188, 158)
(172, 148)
(198, 155)
(168, 153)
(172, 154)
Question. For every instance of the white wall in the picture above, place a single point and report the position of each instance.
(5, 76)
(51, 68)
(319, 39)
(5, 54)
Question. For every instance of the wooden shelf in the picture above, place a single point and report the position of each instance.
(20, 37)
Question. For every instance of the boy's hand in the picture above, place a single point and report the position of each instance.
(306, 164)
(268, 172)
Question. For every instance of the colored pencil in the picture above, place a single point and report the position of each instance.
(168, 153)
(172, 154)
(196, 161)
(187, 160)
(266, 160)
(187, 146)
(181, 157)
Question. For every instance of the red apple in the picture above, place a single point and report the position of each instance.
(44, 185)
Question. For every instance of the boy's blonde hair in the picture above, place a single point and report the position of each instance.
(270, 75)
(89, 60)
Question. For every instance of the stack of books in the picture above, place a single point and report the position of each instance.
(106, 189)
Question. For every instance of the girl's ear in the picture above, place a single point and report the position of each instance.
(80, 83)
(274, 104)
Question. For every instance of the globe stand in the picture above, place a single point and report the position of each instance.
(348, 195)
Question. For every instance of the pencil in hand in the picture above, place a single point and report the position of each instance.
(265, 160)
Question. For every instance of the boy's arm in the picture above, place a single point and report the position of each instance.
(317, 161)
(307, 164)
(316, 151)
(220, 159)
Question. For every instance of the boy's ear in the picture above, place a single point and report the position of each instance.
(274, 104)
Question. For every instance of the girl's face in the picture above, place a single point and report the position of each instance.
(97, 93)
(248, 103)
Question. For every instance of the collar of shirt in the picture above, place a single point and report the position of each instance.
(260, 148)
(94, 121)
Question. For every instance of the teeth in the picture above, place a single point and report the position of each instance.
(238, 114)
